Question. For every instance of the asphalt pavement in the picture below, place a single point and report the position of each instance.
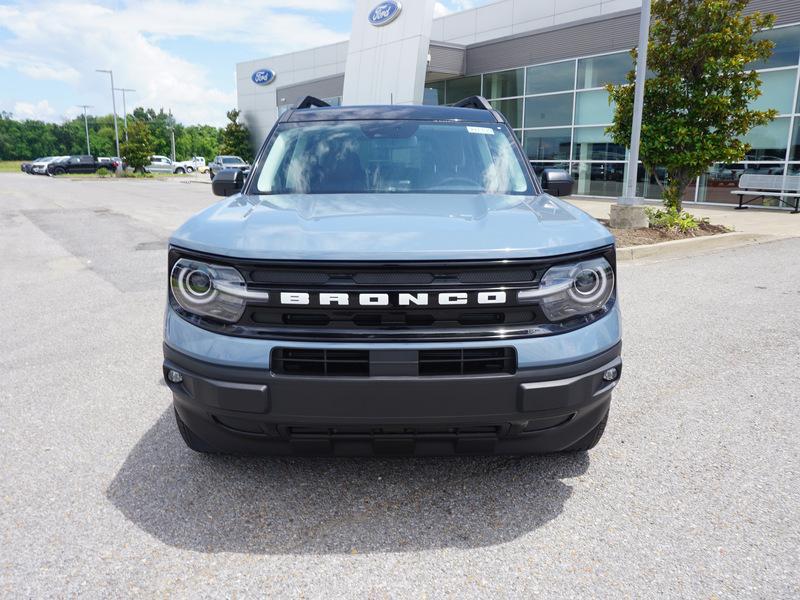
(694, 490)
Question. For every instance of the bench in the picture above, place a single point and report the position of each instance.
(775, 186)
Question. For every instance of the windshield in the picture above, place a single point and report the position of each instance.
(231, 160)
(392, 156)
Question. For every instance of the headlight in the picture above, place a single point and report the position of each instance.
(211, 290)
(572, 290)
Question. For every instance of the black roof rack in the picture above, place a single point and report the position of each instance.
(478, 102)
(309, 102)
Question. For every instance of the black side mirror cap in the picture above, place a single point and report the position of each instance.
(557, 182)
(227, 182)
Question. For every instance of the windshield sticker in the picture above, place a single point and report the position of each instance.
(481, 130)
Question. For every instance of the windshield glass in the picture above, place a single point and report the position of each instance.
(231, 160)
(392, 156)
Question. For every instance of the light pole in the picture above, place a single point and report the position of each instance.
(86, 125)
(113, 105)
(628, 212)
(124, 110)
(172, 134)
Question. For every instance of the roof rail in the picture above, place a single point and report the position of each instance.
(478, 102)
(309, 102)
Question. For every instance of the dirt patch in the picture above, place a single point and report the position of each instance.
(652, 235)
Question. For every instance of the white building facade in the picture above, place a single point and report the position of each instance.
(543, 63)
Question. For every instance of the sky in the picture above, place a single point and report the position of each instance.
(177, 55)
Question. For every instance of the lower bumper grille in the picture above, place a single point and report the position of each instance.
(414, 363)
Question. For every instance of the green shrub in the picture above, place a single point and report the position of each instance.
(103, 172)
(672, 218)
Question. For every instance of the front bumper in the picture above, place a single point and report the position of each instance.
(254, 411)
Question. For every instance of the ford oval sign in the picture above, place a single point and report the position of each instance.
(385, 13)
(263, 77)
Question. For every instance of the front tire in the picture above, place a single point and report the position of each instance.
(180, 171)
(58, 171)
(190, 439)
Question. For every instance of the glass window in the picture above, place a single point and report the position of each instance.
(434, 93)
(547, 144)
(548, 111)
(512, 109)
(551, 78)
(598, 179)
(794, 145)
(768, 142)
(777, 91)
(786, 50)
(592, 143)
(600, 70)
(718, 182)
(353, 157)
(592, 108)
(503, 84)
(463, 87)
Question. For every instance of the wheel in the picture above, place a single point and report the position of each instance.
(590, 440)
(58, 171)
(180, 171)
(192, 441)
(190, 169)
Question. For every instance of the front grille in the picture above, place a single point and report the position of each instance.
(323, 362)
(427, 318)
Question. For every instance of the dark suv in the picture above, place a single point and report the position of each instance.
(391, 279)
(73, 164)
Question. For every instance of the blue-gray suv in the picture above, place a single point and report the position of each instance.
(391, 280)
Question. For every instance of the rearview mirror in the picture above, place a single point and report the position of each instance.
(557, 182)
(227, 182)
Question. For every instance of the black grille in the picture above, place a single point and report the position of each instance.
(363, 363)
(467, 361)
(432, 320)
(301, 361)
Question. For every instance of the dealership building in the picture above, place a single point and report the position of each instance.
(542, 63)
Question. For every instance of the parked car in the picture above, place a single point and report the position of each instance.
(226, 162)
(26, 166)
(40, 166)
(196, 163)
(163, 164)
(393, 280)
(76, 164)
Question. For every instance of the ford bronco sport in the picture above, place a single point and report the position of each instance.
(391, 279)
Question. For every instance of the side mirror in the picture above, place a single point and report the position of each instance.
(227, 182)
(557, 182)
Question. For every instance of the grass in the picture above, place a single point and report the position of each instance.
(10, 166)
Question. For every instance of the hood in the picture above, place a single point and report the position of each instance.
(391, 227)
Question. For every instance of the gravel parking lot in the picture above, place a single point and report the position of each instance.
(693, 492)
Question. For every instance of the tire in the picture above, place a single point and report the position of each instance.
(190, 169)
(190, 439)
(591, 439)
(180, 171)
(59, 171)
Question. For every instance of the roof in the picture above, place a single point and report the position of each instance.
(413, 112)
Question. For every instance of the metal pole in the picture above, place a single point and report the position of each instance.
(125, 110)
(638, 102)
(86, 126)
(113, 105)
(172, 135)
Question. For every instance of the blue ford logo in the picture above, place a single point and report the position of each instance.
(263, 77)
(385, 13)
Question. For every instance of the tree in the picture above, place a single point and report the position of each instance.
(698, 95)
(139, 147)
(236, 138)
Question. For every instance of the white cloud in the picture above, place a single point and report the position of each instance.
(28, 110)
(440, 10)
(67, 40)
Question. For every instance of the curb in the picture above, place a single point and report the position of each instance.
(688, 247)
